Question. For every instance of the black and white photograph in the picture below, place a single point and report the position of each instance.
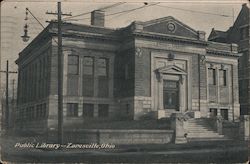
(114, 81)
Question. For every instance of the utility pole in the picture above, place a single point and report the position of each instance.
(6, 111)
(60, 72)
(7, 96)
(13, 91)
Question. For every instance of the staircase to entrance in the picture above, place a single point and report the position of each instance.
(200, 129)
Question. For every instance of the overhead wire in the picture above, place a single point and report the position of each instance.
(86, 13)
(131, 10)
(194, 11)
(111, 6)
(124, 11)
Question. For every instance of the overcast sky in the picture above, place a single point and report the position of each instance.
(195, 14)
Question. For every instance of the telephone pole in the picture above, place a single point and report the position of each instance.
(7, 96)
(60, 72)
(5, 112)
(13, 92)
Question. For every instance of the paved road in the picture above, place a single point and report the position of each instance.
(227, 156)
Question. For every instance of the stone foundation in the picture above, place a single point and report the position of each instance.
(117, 137)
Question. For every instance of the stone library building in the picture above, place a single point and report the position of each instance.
(153, 68)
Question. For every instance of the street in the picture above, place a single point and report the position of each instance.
(199, 152)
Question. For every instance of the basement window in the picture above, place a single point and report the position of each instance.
(103, 110)
(72, 109)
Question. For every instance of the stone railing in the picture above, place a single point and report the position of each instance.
(178, 124)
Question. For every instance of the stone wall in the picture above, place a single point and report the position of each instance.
(142, 107)
(118, 137)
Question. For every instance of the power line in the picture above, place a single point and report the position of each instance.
(194, 11)
(39, 22)
(131, 10)
(114, 5)
(103, 8)
(124, 12)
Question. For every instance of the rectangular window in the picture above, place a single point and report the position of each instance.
(212, 76)
(103, 110)
(213, 112)
(224, 113)
(103, 80)
(88, 66)
(72, 109)
(103, 87)
(88, 110)
(102, 65)
(72, 85)
(73, 64)
(223, 78)
(88, 77)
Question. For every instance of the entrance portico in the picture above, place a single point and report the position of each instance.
(171, 82)
(171, 90)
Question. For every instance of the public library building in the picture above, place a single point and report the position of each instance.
(153, 68)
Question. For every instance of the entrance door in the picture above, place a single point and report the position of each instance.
(171, 94)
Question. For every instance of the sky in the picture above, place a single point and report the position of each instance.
(192, 13)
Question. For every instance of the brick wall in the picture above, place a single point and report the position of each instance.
(124, 64)
(142, 72)
(195, 74)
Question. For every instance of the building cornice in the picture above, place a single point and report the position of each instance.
(178, 39)
(87, 35)
(222, 53)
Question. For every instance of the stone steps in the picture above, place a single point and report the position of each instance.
(200, 130)
(207, 139)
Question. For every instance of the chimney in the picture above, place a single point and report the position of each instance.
(97, 18)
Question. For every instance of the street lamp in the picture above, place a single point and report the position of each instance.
(25, 37)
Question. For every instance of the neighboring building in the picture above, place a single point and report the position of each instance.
(239, 33)
(156, 68)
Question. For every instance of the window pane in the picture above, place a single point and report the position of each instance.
(88, 86)
(88, 110)
(212, 76)
(73, 69)
(73, 64)
(73, 59)
(72, 88)
(72, 109)
(224, 113)
(103, 110)
(223, 77)
(103, 87)
(88, 64)
(102, 65)
(213, 112)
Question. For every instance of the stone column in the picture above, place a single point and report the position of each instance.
(177, 124)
